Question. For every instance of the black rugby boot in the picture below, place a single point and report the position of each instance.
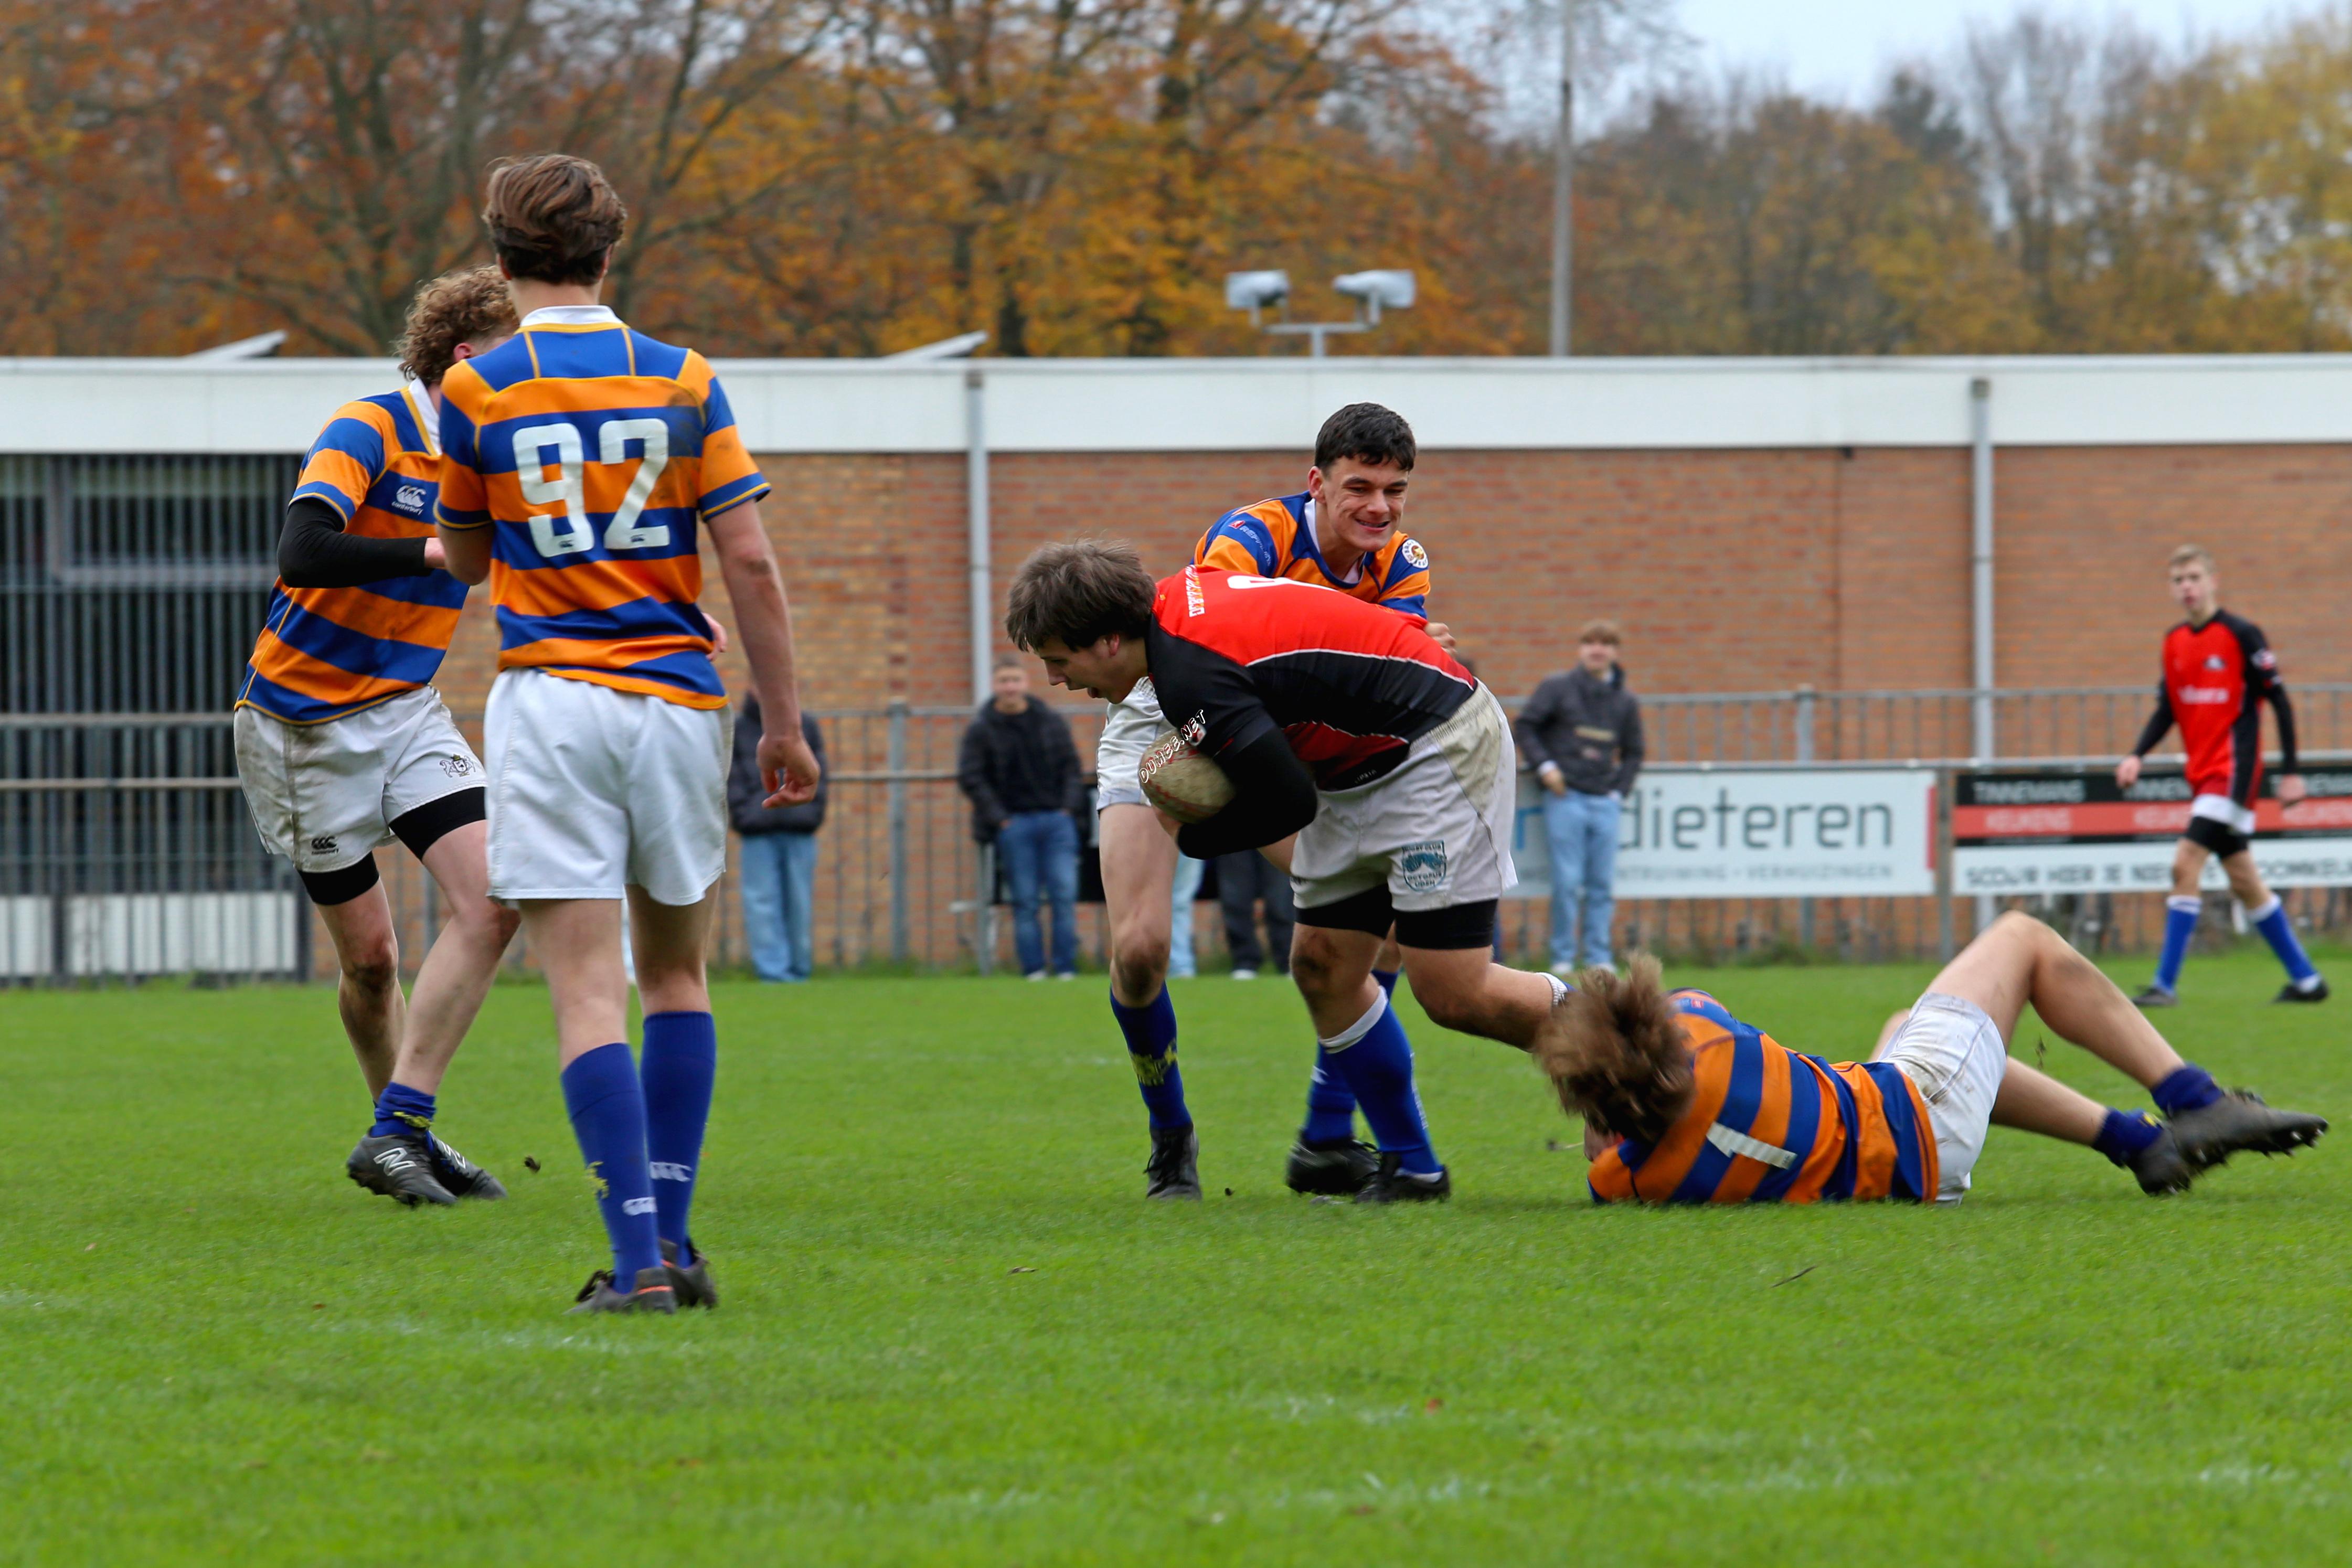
(1174, 1169)
(397, 1165)
(1334, 1169)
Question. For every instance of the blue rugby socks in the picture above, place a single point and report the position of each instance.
(2187, 1087)
(2279, 932)
(680, 1062)
(1330, 1104)
(1376, 1060)
(399, 1108)
(1388, 979)
(2179, 926)
(1151, 1031)
(2124, 1133)
(608, 1117)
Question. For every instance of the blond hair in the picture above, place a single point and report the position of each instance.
(2187, 553)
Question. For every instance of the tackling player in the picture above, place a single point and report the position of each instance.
(342, 745)
(1343, 533)
(2218, 671)
(1351, 728)
(1684, 1103)
(583, 459)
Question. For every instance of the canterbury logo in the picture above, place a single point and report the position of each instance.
(410, 498)
(638, 1205)
(665, 1171)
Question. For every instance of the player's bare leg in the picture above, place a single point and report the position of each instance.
(450, 985)
(1138, 873)
(463, 959)
(367, 990)
(2018, 961)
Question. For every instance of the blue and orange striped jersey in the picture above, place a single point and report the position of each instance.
(595, 452)
(327, 652)
(1276, 539)
(1767, 1125)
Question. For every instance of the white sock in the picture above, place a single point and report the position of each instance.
(1559, 988)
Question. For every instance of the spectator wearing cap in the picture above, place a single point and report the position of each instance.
(1581, 733)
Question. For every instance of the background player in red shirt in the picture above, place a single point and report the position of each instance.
(1349, 725)
(2217, 672)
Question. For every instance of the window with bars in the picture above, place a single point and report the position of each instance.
(134, 583)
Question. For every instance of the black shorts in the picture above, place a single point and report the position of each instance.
(2218, 836)
(1455, 928)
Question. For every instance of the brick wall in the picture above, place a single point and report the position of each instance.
(1730, 570)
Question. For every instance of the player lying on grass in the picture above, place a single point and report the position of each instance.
(343, 744)
(2217, 672)
(585, 460)
(1349, 725)
(1343, 533)
(1684, 1103)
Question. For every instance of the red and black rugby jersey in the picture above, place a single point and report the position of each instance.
(1351, 685)
(2216, 678)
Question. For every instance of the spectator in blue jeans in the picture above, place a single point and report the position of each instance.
(777, 864)
(1018, 767)
(1581, 733)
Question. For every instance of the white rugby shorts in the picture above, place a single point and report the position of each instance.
(593, 790)
(2221, 808)
(324, 795)
(1953, 1054)
(1436, 830)
(1128, 729)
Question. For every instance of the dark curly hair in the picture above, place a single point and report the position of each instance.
(1617, 1057)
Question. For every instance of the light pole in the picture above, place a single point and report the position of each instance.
(1254, 291)
(1563, 161)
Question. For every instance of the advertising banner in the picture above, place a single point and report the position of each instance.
(1778, 833)
(2078, 832)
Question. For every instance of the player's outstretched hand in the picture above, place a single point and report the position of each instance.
(2289, 788)
(788, 767)
(1442, 634)
(2128, 773)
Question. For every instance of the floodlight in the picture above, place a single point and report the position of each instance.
(1375, 289)
(1255, 290)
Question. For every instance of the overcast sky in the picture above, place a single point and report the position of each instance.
(1842, 47)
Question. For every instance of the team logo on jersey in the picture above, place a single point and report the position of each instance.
(410, 498)
(1196, 601)
(1422, 866)
(1196, 729)
(2213, 662)
(1415, 555)
(2266, 660)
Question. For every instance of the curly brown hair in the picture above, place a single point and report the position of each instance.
(1617, 1057)
(468, 306)
(552, 218)
(1080, 591)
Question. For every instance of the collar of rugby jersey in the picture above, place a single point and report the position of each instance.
(428, 418)
(570, 316)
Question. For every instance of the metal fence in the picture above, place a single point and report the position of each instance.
(126, 849)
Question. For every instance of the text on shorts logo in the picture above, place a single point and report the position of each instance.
(410, 498)
(1422, 867)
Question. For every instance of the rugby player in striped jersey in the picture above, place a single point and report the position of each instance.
(342, 745)
(1685, 1103)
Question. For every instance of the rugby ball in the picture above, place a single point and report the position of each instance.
(1182, 782)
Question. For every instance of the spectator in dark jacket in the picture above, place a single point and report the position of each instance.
(1020, 770)
(778, 864)
(1581, 733)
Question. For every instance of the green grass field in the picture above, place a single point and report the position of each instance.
(954, 1334)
